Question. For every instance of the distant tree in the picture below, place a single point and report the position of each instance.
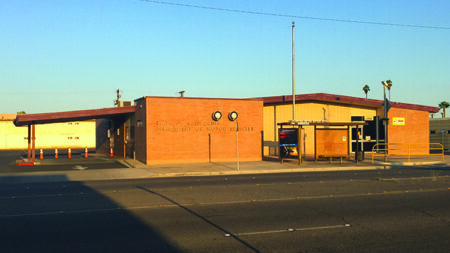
(21, 112)
(366, 89)
(444, 105)
(389, 85)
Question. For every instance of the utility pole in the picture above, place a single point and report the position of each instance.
(293, 72)
(117, 101)
(385, 121)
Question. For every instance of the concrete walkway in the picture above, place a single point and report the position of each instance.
(136, 170)
(275, 166)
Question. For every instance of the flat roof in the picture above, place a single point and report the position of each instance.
(59, 117)
(204, 98)
(7, 116)
(344, 100)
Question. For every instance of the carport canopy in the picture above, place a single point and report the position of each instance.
(31, 120)
(59, 117)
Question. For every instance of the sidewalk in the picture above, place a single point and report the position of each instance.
(275, 166)
(138, 170)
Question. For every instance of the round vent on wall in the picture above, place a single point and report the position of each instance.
(233, 116)
(217, 115)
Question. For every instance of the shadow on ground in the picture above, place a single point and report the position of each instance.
(71, 217)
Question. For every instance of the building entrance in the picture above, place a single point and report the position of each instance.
(369, 134)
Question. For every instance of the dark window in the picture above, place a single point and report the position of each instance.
(432, 131)
(357, 118)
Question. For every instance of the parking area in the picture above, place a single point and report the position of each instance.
(9, 158)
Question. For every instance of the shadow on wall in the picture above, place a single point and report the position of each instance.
(101, 136)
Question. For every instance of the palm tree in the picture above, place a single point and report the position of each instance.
(443, 105)
(389, 85)
(366, 89)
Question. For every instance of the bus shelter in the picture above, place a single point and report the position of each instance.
(331, 139)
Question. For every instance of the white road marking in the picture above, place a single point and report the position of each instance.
(292, 230)
(79, 167)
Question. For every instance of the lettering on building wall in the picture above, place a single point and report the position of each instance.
(197, 126)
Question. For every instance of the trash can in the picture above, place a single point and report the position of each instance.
(360, 156)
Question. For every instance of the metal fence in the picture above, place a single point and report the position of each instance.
(407, 149)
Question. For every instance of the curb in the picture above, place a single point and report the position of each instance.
(140, 173)
(147, 173)
(412, 163)
(255, 172)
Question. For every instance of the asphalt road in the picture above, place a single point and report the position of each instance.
(398, 211)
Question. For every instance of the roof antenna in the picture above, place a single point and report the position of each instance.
(117, 101)
(182, 93)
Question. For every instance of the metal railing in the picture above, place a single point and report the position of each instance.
(407, 149)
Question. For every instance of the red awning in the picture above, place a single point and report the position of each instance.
(58, 117)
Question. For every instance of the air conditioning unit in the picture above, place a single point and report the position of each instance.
(125, 103)
(357, 118)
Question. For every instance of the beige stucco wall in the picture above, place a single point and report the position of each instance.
(436, 134)
(317, 111)
(78, 134)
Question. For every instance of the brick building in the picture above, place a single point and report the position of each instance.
(163, 130)
(184, 130)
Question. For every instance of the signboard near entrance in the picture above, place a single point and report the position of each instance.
(398, 121)
(288, 142)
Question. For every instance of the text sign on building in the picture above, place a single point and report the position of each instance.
(398, 121)
(288, 142)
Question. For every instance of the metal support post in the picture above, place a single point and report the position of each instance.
(237, 146)
(385, 125)
(29, 142)
(33, 141)
(293, 71)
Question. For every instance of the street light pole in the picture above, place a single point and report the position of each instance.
(385, 120)
(293, 72)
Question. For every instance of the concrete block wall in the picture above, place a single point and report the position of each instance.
(436, 133)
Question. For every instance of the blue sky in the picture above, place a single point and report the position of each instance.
(71, 54)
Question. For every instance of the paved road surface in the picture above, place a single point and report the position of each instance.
(399, 211)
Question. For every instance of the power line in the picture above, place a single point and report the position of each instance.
(295, 16)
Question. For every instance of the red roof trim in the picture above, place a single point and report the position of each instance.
(58, 117)
(203, 98)
(345, 100)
